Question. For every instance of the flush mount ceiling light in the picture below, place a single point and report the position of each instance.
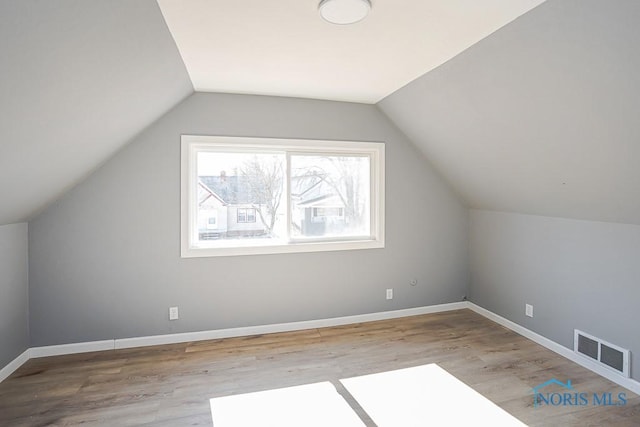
(343, 12)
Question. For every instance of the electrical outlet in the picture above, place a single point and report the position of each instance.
(528, 310)
(173, 313)
(389, 293)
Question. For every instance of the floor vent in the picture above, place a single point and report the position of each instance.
(606, 354)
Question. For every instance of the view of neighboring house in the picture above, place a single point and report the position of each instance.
(318, 208)
(230, 207)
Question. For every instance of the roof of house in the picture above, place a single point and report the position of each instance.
(237, 190)
(233, 190)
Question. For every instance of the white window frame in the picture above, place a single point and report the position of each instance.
(192, 144)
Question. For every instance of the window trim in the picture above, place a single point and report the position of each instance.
(192, 144)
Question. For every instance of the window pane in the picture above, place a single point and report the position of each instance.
(247, 196)
(251, 215)
(240, 196)
(330, 196)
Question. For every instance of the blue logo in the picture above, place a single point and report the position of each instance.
(570, 397)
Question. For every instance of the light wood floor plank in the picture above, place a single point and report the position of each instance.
(171, 385)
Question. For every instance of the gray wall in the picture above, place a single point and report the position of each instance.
(540, 117)
(79, 79)
(577, 274)
(14, 292)
(105, 258)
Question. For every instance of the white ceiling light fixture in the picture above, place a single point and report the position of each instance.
(344, 12)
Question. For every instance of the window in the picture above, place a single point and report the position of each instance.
(246, 215)
(265, 196)
(322, 213)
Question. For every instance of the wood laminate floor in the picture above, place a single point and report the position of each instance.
(171, 385)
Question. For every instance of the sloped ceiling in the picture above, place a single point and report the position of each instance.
(541, 117)
(284, 48)
(79, 79)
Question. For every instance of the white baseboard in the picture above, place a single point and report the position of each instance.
(114, 344)
(13, 365)
(81, 347)
(282, 327)
(627, 383)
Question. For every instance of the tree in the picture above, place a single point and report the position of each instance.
(348, 186)
(340, 175)
(264, 178)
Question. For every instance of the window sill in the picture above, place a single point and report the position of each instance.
(282, 248)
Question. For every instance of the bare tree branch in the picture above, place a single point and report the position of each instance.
(265, 180)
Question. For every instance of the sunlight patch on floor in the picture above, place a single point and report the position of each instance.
(411, 397)
(310, 405)
(424, 395)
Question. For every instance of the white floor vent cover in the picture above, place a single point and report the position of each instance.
(606, 354)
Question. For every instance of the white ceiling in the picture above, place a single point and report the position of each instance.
(284, 48)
